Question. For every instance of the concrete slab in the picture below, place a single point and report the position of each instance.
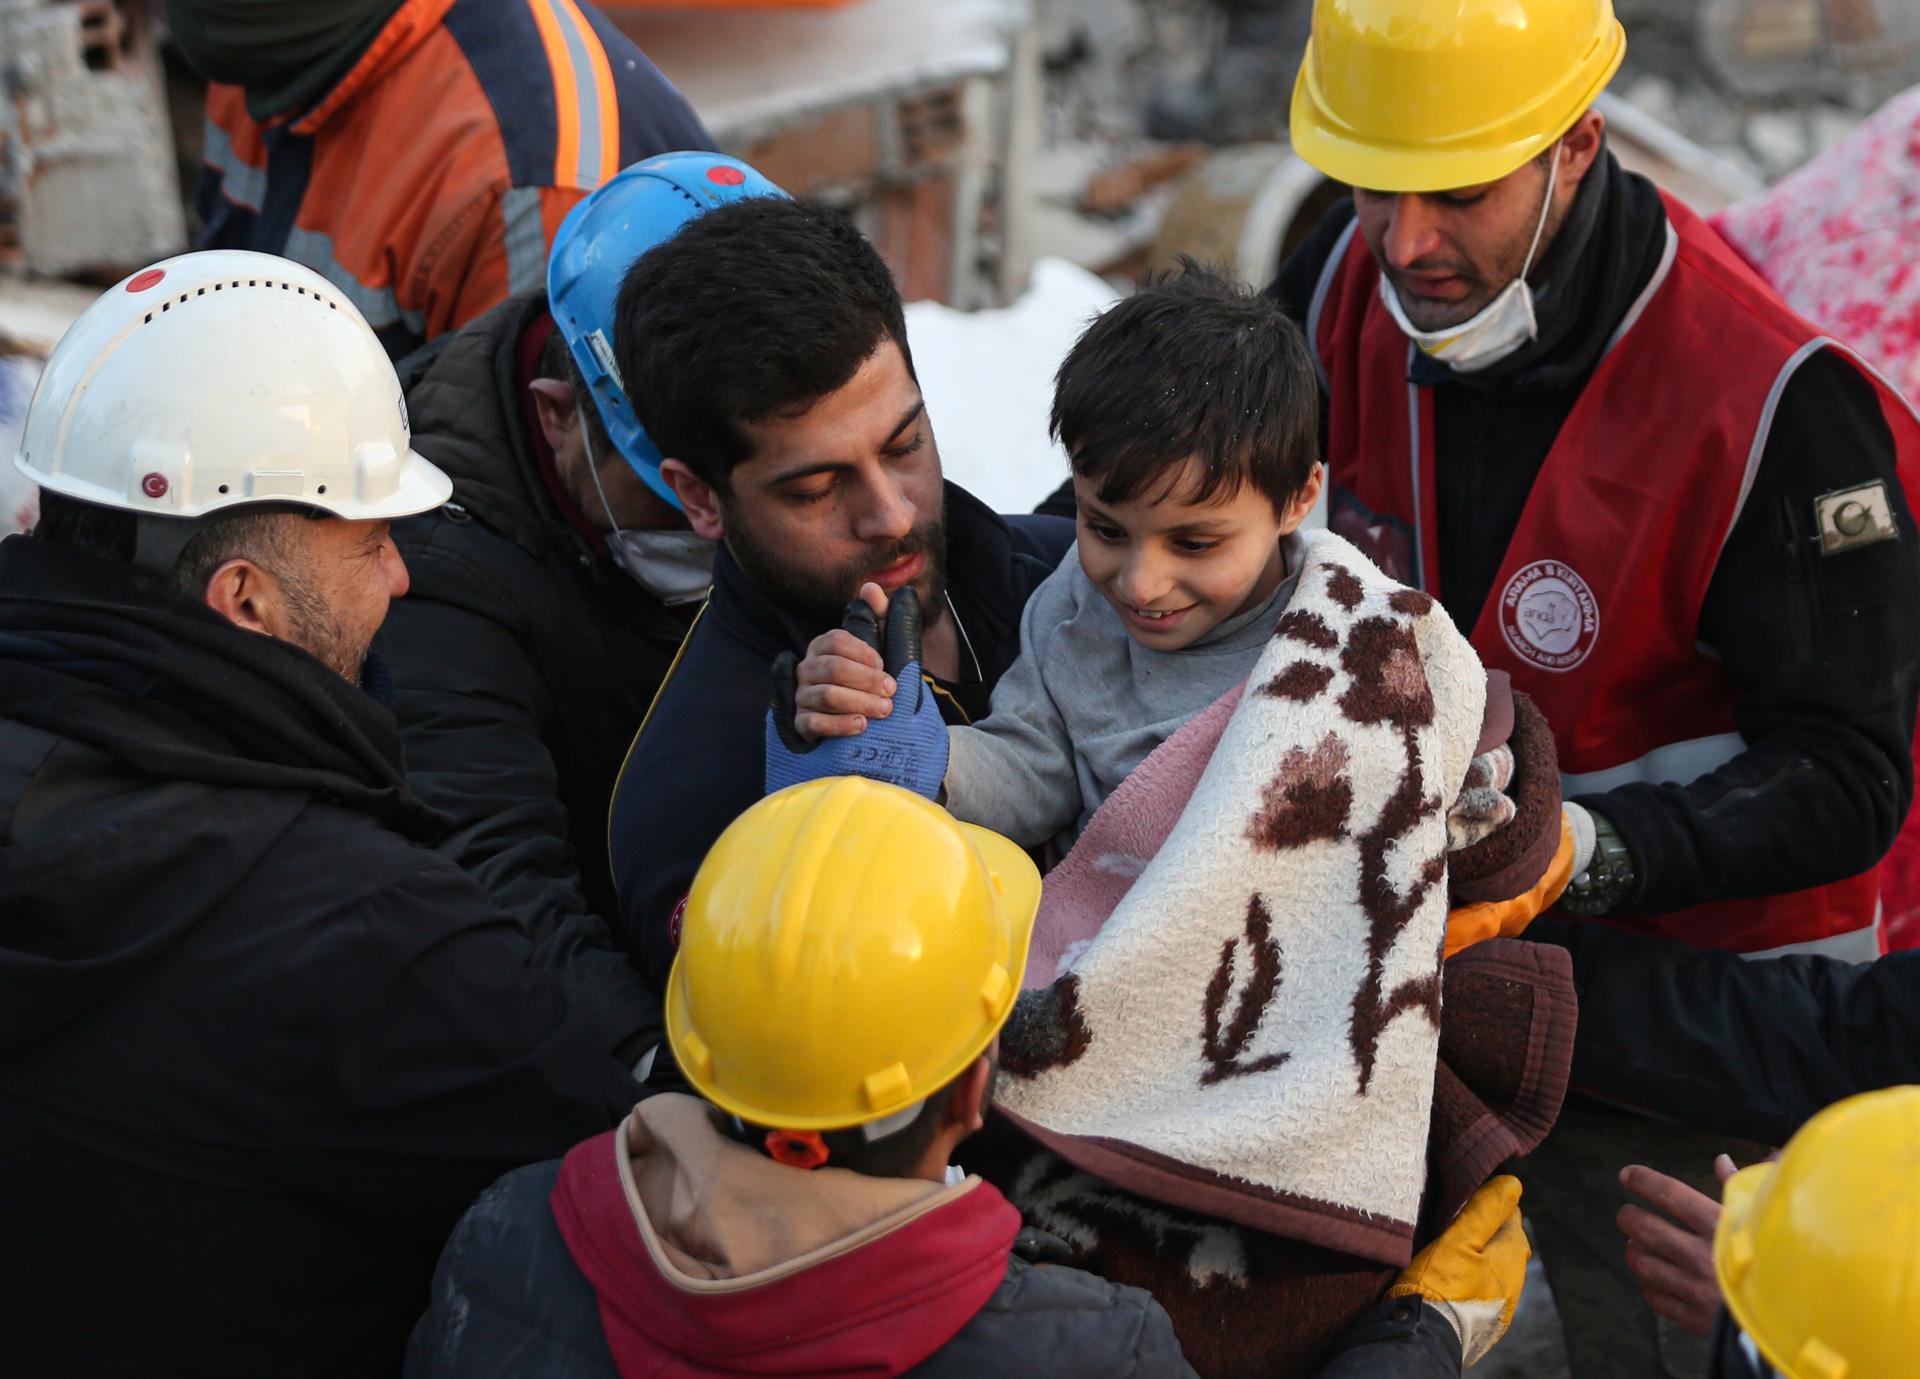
(751, 72)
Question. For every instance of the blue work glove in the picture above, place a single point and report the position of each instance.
(907, 748)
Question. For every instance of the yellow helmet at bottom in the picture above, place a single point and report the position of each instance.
(848, 947)
(1819, 1255)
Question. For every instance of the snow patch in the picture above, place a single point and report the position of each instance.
(988, 380)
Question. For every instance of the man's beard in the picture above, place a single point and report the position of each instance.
(315, 632)
(820, 600)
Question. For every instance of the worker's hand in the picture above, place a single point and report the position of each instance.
(1483, 806)
(1471, 924)
(1474, 1272)
(858, 706)
(1673, 1259)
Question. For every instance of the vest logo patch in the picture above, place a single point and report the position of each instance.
(1549, 616)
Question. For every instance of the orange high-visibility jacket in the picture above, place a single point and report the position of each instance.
(428, 184)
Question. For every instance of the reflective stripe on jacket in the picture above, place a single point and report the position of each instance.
(429, 183)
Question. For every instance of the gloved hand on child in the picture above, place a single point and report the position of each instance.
(1474, 1272)
(1512, 849)
(858, 705)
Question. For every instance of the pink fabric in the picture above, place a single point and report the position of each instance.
(1123, 836)
(1837, 240)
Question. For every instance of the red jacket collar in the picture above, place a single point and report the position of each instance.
(877, 1310)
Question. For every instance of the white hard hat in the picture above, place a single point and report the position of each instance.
(225, 379)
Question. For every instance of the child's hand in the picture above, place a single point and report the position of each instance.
(843, 682)
(907, 743)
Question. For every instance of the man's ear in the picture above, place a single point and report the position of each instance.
(967, 1108)
(697, 499)
(1580, 146)
(553, 404)
(246, 596)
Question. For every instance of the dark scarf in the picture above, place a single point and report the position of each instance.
(122, 661)
(287, 54)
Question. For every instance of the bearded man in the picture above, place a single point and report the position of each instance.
(765, 349)
(260, 1044)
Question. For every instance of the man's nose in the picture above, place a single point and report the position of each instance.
(398, 581)
(1413, 232)
(886, 514)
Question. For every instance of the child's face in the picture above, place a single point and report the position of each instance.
(1174, 570)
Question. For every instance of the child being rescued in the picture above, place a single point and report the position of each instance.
(1190, 416)
(1247, 735)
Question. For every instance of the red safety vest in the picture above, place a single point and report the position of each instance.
(1596, 608)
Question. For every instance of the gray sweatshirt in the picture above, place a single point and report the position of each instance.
(1086, 703)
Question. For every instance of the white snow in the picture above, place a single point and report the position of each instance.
(988, 380)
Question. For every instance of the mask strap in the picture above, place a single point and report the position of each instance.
(593, 472)
(1546, 204)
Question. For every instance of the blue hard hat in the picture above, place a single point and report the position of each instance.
(639, 207)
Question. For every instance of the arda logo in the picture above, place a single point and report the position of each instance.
(1548, 615)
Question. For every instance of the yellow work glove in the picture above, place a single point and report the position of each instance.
(1474, 1272)
(1471, 924)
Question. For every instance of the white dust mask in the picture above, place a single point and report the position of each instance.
(1497, 330)
(675, 566)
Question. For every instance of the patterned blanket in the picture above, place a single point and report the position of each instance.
(1225, 1078)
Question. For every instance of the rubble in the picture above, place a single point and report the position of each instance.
(926, 136)
(87, 180)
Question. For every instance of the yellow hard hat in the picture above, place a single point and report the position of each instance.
(1429, 95)
(1819, 1254)
(848, 947)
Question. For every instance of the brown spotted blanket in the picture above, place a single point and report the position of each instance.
(1229, 1082)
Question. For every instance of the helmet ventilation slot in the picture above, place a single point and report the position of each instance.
(191, 293)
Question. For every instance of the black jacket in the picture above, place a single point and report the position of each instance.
(523, 662)
(509, 1301)
(699, 759)
(259, 1047)
(1824, 654)
(1744, 1048)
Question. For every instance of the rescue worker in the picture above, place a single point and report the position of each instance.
(1818, 1256)
(1811, 1269)
(419, 154)
(260, 1046)
(764, 349)
(1748, 1049)
(549, 597)
(1662, 502)
(850, 953)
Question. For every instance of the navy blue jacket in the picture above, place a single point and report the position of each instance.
(699, 759)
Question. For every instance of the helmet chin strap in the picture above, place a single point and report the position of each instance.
(1546, 205)
(593, 469)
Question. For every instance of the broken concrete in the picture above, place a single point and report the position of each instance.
(87, 182)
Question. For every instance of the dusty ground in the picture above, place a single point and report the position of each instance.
(1532, 1349)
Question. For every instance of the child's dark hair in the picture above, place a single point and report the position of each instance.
(1191, 367)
